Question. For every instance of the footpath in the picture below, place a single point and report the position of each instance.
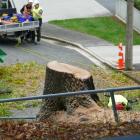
(102, 50)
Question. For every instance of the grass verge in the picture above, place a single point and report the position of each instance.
(25, 80)
(107, 28)
(109, 79)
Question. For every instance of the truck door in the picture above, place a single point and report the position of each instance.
(7, 7)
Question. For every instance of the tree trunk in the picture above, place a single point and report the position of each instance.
(62, 78)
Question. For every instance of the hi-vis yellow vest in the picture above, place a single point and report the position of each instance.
(118, 99)
(36, 13)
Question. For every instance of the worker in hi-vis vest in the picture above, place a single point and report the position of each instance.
(121, 103)
(37, 15)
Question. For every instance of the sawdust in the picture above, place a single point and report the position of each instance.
(94, 115)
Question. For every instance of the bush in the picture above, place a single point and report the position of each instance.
(137, 4)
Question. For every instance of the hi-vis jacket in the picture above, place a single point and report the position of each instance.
(37, 13)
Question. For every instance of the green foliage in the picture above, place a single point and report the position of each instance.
(137, 4)
(4, 110)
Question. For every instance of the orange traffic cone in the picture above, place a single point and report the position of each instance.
(120, 63)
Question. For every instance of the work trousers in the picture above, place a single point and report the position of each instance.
(37, 32)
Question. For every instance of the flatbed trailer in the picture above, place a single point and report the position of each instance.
(14, 29)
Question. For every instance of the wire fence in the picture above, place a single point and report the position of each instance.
(117, 114)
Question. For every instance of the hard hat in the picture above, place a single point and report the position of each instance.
(30, 1)
(36, 2)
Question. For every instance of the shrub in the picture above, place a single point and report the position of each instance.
(137, 4)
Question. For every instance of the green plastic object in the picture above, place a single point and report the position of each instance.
(2, 56)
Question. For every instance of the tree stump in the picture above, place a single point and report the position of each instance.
(62, 78)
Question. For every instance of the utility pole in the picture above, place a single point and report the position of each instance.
(129, 36)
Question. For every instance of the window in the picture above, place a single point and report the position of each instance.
(4, 4)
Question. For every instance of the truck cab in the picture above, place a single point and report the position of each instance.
(7, 7)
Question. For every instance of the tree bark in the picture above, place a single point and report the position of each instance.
(62, 78)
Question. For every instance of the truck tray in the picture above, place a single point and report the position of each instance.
(19, 26)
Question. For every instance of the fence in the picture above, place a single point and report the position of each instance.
(121, 13)
(110, 90)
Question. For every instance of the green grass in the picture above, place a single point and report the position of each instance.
(107, 28)
(109, 79)
(24, 80)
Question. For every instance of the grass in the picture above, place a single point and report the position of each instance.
(25, 80)
(107, 28)
(108, 79)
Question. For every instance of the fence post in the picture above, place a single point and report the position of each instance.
(113, 107)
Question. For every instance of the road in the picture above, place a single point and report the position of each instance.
(67, 9)
(42, 53)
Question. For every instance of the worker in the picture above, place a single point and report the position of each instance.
(29, 4)
(37, 15)
(26, 11)
(121, 103)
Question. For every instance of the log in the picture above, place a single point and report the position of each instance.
(62, 78)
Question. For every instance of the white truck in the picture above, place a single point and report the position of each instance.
(14, 29)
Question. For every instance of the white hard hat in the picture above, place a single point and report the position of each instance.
(30, 1)
(36, 2)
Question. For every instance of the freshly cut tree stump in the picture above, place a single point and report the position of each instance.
(62, 78)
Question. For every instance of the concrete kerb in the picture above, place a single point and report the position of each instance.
(107, 64)
(74, 44)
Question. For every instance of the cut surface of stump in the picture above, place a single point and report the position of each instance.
(61, 78)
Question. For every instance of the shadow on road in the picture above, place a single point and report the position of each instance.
(108, 4)
(9, 42)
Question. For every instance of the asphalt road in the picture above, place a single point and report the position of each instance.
(42, 53)
(67, 9)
